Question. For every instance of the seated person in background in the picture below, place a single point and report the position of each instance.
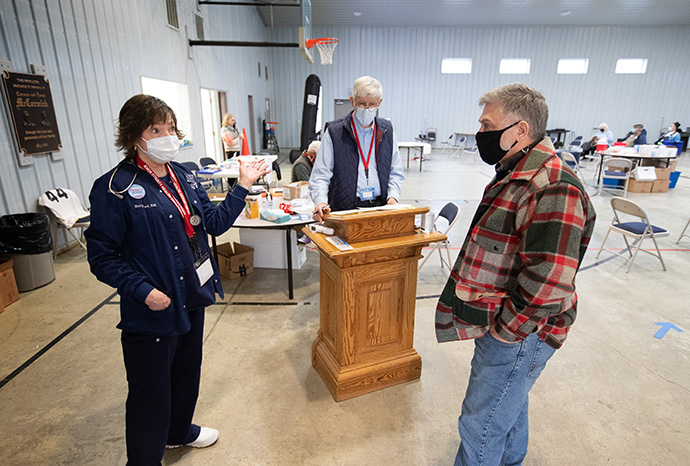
(301, 169)
(673, 134)
(603, 136)
(359, 162)
(636, 137)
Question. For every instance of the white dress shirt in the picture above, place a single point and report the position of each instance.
(322, 172)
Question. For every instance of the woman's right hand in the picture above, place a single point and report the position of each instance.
(252, 171)
(157, 300)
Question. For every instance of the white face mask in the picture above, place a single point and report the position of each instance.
(670, 128)
(163, 149)
(365, 115)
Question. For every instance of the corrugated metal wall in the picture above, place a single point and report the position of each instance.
(95, 52)
(408, 63)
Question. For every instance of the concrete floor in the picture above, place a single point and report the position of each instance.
(613, 394)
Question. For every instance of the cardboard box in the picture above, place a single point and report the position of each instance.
(663, 173)
(660, 186)
(637, 186)
(235, 260)
(296, 190)
(8, 284)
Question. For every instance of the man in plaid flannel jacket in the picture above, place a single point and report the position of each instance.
(512, 288)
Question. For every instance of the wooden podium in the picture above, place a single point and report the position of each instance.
(365, 342)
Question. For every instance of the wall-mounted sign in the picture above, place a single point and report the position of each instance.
(33, 114)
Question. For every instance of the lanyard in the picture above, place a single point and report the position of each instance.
(359, 147)
(183, 208)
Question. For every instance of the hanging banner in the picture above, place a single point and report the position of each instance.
(33, 114)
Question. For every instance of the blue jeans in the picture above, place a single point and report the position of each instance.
(493, 426)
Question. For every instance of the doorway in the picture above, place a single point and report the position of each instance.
(252, 146)
(211, 124)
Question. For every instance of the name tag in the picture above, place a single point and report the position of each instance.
(204, 271)
(366, 194)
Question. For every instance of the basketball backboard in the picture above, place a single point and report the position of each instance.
(305, 31)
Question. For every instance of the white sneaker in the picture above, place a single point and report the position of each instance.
(207, 437)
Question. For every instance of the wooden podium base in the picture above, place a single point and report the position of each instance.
(365, 340)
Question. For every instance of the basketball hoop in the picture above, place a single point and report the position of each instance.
(326, 46)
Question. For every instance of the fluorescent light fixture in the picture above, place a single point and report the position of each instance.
(514, 66)
(456, 66)
(357, 13)
(566, 13)
(631, 66)
(573, 66)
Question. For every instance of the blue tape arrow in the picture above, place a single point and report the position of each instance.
(665, 327)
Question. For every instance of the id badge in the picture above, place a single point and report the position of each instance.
(204, 270)
(366, 194)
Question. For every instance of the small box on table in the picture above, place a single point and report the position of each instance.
(296, 190)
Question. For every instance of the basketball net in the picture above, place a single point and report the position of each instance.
(326, 47)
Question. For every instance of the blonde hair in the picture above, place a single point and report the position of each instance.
(226, 119)
(523, 102)
(366, 86)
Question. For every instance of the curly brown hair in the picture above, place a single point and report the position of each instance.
(137, 114)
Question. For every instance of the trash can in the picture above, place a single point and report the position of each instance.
(26, 239)
(674, 179)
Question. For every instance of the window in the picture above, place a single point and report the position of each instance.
(631, 66)
(171, 8)
(199, 20)
(266, 72)
(176, 96)
(456, 66)
(514, 66)
(573, 66)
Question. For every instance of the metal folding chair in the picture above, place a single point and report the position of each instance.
(450, 213)
(639, 231)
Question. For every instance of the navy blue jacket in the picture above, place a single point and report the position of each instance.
(342, 192)
(135, 244)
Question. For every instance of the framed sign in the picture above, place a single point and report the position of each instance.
(32, 113)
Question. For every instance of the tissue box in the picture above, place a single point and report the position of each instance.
(275, 215)
(296, 190)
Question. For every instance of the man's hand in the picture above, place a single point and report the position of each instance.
(392, 200)
(157, 300)
(251, 172)
(319, 212)
(494, 333)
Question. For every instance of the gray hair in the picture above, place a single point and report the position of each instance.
(366, 86)
(523, 102)
(314, 146)
(605, 126)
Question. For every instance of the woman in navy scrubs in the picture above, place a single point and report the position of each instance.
(148, 238)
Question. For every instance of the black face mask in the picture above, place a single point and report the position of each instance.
(489, 145)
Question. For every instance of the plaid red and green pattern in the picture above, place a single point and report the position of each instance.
(518, 262)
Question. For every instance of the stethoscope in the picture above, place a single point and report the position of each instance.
(118, 194)
(136, 171)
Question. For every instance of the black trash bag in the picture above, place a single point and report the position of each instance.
(25, 234)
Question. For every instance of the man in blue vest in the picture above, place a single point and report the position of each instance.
(358, 164)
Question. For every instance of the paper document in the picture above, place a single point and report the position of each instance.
(339, 243)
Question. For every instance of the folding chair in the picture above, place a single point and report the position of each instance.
(683, 233)
(193, 167)
(616, 169)
(206, 161)
(572, 162)
(639, 231)
(70, 213)
(450, 213)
